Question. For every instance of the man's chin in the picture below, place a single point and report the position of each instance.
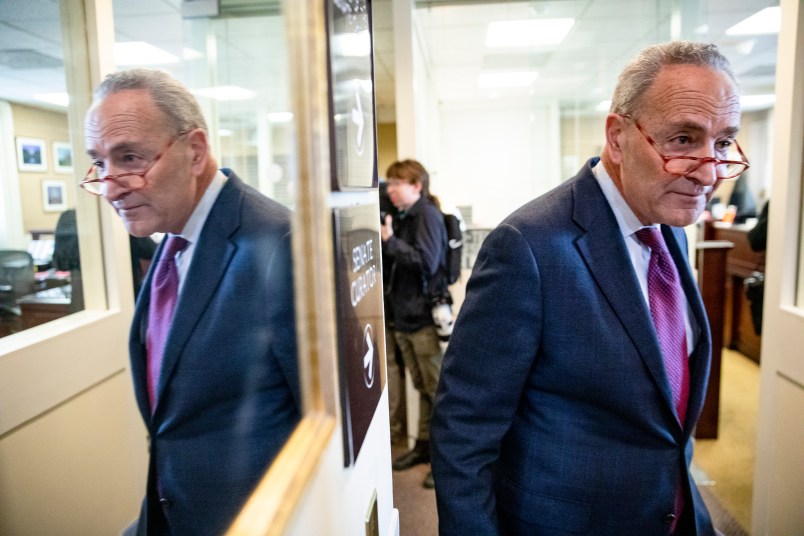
(682, 218)
(137, 228)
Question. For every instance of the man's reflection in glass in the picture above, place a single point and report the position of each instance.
(212, 344)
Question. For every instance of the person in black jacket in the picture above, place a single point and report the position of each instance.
(395, 366)
(755, 284)
(758, 235)
(415, 245)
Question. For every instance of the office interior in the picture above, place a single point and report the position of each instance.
(496, 123)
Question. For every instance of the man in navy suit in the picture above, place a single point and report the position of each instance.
(226, 395)
(555, 414)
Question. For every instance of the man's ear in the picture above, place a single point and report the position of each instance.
(200, 149)
(615, 125)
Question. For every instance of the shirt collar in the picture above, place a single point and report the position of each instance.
(192, 229)
(626, 219)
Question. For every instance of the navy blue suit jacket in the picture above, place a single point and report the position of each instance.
(228, 393)
(554, 413)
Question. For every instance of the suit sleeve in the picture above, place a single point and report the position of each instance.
(491, 351)
(284, 313)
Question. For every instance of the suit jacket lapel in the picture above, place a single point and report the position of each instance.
(212, 255)
(136, 346)
(603, 248)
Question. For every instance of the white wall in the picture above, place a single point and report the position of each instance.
(425, 104)
(338, 498)
(72, 446)
(779, 470)
(76, 469)
(497, 156)
(12, 234)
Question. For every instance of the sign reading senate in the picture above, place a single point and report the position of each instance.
(362, 255)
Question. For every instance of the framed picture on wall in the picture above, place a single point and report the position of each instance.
(54, 196)
(31, 154)
(63, 157)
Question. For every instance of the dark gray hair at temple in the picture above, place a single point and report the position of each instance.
(169, 95)
(639, 73)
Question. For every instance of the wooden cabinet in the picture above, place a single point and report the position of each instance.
(741, 261)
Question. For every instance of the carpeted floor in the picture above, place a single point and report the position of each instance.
(726, 464)
(726, 523)
(416, 505)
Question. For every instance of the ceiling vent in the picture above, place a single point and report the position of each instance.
(28, 59)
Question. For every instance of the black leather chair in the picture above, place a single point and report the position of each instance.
(16, 278)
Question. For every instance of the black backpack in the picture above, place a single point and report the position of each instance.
(454, 248)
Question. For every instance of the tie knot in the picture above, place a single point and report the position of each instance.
(652, 237)
(173, 245)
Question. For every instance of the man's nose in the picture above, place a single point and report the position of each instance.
(113, 191)
(706, 173)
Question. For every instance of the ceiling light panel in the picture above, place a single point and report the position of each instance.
(756, 102)
(507, 79)
(765, 21)
(527, 33)
(141, 53)
(59, 99)
(226, 93)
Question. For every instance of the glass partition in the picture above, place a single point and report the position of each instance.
(518, 91)
(234, 60)
(511, 100)
(235, 63)
(40, 264)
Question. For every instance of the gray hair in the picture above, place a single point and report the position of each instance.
(170, 96)
(639, 73)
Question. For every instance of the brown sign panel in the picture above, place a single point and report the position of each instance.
(361, 336)
(351, 95)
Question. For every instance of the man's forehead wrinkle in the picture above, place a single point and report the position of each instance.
(686, 95)
(124, 122)
(676, 100)
(126, 129)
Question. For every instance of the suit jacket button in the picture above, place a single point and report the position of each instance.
(165, 502)
(669, 518)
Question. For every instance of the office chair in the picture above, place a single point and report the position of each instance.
(16, 278)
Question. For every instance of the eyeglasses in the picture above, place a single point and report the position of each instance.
(133, 179)
(725, 169)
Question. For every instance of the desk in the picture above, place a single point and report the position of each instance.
(44, 306)
(738, 329)
(710, 261)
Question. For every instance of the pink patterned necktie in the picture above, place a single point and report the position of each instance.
(164, 292)
(664, 293)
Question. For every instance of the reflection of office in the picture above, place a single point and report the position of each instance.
(213, 344)
(54, 196)
(16, 279)
(31, 154)
(62, 157)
